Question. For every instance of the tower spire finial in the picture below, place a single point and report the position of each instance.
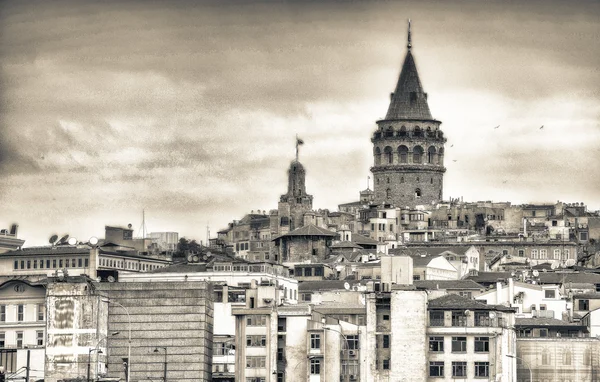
(409, 45)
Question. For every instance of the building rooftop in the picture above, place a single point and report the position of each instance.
(49, 250)
(448, 284)
(309, 230)
(543, 321)
(453, 301)
(327, 285)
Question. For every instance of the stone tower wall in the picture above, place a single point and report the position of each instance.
(408, 162)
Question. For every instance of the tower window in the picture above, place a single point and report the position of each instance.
(388, 193)
(402, 180)
(418, 179)
(418, 193)
(431, 153)
(403, 154)
(431, 180)
(388, 180)
(413, 96)
(417, 154)
(377, 156)
(388, 154)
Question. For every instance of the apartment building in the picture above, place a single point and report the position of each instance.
(22, 325)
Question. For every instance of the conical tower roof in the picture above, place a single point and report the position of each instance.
(409, 101)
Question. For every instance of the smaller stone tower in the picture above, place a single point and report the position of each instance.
(296, 202)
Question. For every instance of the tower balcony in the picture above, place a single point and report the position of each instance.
(408, 167)
(433, 136)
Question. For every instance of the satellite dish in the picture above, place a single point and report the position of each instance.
(492, 315)
(195, 258)
(562, 265)
(208, 254)
(53, 239)
(190, 258)
(555, 264)
(72, 241)
(93, 240)
(346, 286)
(63, 240)
(111, 279)
(570, 262)
(536, 273)
(129, 226)
(467, 312)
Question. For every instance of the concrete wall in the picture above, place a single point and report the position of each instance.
(177, 316)
(409, 328)
(397, 270)
(76, 322)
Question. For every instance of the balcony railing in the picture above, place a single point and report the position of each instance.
(436, 322)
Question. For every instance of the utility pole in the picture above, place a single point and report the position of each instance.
(27, 367)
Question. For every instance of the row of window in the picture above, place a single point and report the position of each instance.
(19, 339)
(459, 369)
(256, 341)
(79, 262)
(20, 312)
(481, 319)
(542, 254)
(258, 320)
(403, 154)
(301, 271)
(459, 344)
(133, 265)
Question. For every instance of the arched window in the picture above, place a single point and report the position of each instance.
(546, 359)
(431, 155)
(377, 156)
(388, 180)
(431, 181)
(388, 155)
(389, 132)
(441, 156)
(403, 154)
(402, 180)
(402, 132)
(418, 179)
(417, 132)
(567, 357)
(417, 154)
(388, 193)
(418, 193)
(587, 357)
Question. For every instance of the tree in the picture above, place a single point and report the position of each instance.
(185, 246)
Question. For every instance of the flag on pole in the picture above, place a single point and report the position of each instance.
(299, 141)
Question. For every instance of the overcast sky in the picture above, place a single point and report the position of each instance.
(189, 109)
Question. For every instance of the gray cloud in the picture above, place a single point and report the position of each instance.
(189, 109)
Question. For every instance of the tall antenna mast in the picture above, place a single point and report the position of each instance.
(143, 227)
(207, 235)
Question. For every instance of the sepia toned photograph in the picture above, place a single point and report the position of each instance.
(299, 191)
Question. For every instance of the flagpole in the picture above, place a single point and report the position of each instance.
(296, 148)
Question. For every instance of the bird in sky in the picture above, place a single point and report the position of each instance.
(451, 145)
(497, 127)
(504, 181)
(454, 160)
(542, 127)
